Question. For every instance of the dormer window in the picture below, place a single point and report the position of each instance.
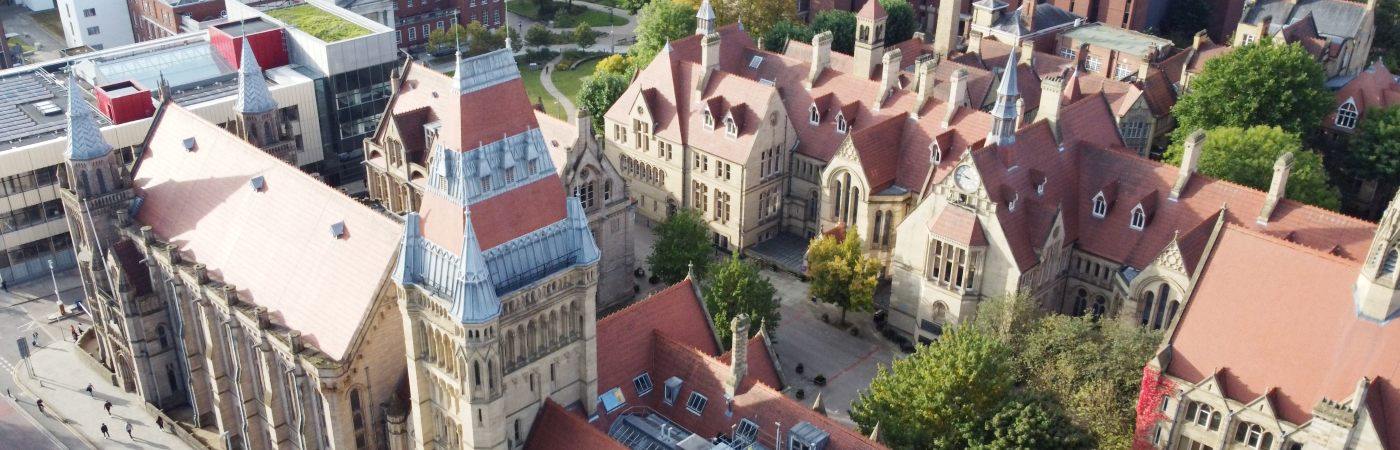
(1347, 114)
(1040, 186)
(813, 116)
(935, 154)
(1139, 218)
(709, 120)
(1011, 203)
(486, 183)
(841, 125)
(1100, 206)
(746, 432)
(672, 390)
(730, 128)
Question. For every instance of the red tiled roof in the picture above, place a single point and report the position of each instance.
(202, 202)
(624, 337)
(1296, 308)
(497, 219)
(1374, 87)
(958, 225)
(761, 366)
(871, 10)
(557, 428)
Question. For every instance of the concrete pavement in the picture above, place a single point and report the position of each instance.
(18, 20)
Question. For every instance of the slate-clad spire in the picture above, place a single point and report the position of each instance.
(578, 220)
(85, 140)
(253, 94)
(705, 19)
(1005, 111)
(474, 299)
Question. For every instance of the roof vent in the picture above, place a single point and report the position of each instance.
(189, 144)
(258, 183)
(338, 230)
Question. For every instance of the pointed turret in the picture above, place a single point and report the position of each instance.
(705, 19)
(1377, 288)
(578, 220)
(1004, 112)
(407, 264)
(253, 94)
(474, 298)
(85, 142)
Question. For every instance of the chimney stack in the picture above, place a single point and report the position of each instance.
(584, 122)
(1028, 51)
(1052, 90)
(738, 353)
(1190, 159)
(924, 66)
(1283, 166)
(889, 75)
(957, 95)
(821, 57)
(1200, 38)
(1020, 111)
(945, 34)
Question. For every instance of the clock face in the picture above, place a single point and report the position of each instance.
(966, 177)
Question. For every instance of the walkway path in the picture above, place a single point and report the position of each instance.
(547, 79)
(18, 20)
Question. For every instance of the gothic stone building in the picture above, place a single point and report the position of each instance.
(399, 153)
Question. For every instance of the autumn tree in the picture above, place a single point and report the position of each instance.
(841, 273)
(735, 287)
(1247, 156)
(615, 64)
(682, 244)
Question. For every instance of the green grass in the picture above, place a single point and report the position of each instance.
(570, 81)
(24, 46)
(563, 19)
(50, 21)
(319, 23)
(536, 91)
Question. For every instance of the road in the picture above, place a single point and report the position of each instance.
(21, 316)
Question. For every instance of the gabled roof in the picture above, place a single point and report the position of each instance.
(958, 225)
(1374, 87)
(1335, 18)
(872, 10)
(202, 202)
(558, 428)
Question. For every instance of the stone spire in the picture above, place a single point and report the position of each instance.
(578, 220)
(253, 95)
(473, 298)
(705, 19)
(85, 140)
(1004, 111)
(818, 405)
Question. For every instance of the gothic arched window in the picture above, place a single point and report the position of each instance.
(1100, 206)
(1139, 218)
(1347, 114)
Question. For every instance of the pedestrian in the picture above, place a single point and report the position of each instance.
(128, 432)
(108, 407)
(104, 431)
(89, 389)
(74, 331)
(160, 422)
(5, 285)
(40, 404)
(36, 339)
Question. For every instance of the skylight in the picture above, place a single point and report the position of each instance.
(257, 183)
(755, 62)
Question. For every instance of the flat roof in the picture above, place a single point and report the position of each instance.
(321, 24)
(246, 27)
(1126, 41)
(25, 98)
(183, 65)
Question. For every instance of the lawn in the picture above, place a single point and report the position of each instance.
(570, 81)
(50, 21)
(567, 19)
(317, 22)
(536, 92)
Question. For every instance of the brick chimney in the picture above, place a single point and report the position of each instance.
(821, 56)
(1200, 38)
(1190, 159)
(1283, 166)
(889, 75)
(738, 354)
(924, 66)
(957, 95)
(583, 122)
(1052, 90)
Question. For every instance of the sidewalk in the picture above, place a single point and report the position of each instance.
(547, 80)
(60, 380)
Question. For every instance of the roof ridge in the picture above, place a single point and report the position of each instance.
(1233, 226)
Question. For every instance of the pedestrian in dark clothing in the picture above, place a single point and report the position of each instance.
(40, 404)
(104, 431)
(160, 423)
(108, 407)
(128, 431)
(5, 285)
(89, 389)
(74, 330)
(36, 339)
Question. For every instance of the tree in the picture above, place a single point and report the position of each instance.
(598, 93)
(1187, 18)
(682, 242)
(777, 37)
(1386, 43)
(545, 8)
(735, 287)
(1374, 153)
(1257, 84)
(1007, 318)
(479, 40)
(940, 396)
(1247, 156)
(1029, 423)
(584, 36)
(615, 64)
(900, 21)
(538, 36)
(841, 273)
(632, 6)
(841, 24)
(758, 16)
(659, 22)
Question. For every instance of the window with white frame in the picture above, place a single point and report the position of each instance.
(1092, 63)
(642, 383)
(1253, 436)
(1067, 53)
(1188, 444)
(746, 431)
(1122, 71)
(696, 403)
(730, 129)
(813, 116)
(1139, 218)
(709, 120)
(1011, 202)
(1347, 114)
(1250, 38)
(1203, 415)
(1040, 186)
(935, 154)
(1100, 206)
(840, 123)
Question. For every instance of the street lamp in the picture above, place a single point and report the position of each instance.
(62, 310)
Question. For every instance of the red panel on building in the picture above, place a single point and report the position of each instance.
(124, 101)
(267, 40)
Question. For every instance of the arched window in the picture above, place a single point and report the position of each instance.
(729, 127)
(607, 190)
(1170, 314)
(1100, 307)
(935, 154)
(161, 336)
(101, 182)
(1100, 206)
(267, 132)
(1139, 218)
(357, 415)
(252, 133)
(841, 125)
(1391, 259)
(879, 225)
(476, 373)
(1347, 114)
(709, 120)
(1163, 296)
(1146, 308)
(1253, 435)
(813, 116)
(889, 228)
(83, 182)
